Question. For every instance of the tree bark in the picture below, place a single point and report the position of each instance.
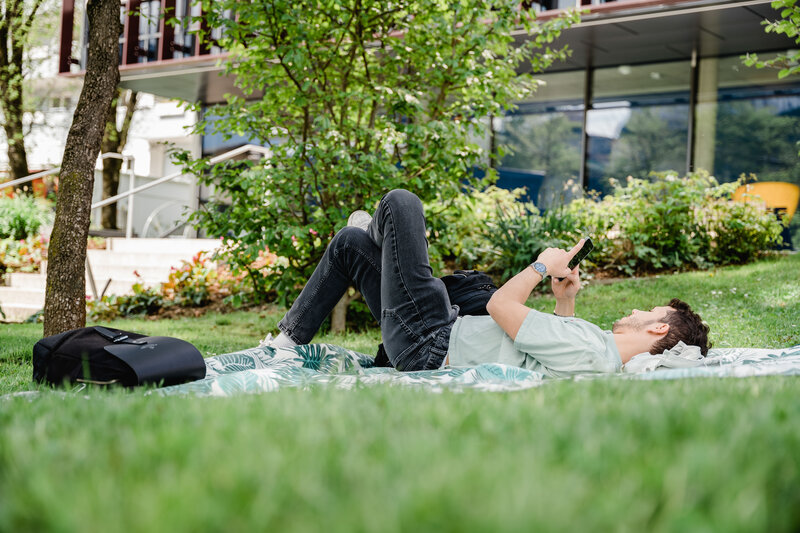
(114, 140)
(339, 313)
(65, 299)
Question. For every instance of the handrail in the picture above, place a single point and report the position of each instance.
(128, 159)
(55, 170)
(214, 160)
(25, 179)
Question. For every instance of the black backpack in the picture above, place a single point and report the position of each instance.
(104, 356)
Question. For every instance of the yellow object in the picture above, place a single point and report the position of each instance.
(778, 195)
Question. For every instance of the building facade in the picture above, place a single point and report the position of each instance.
(651, 85)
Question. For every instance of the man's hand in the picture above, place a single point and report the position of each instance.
(567, 289)
(556, 260)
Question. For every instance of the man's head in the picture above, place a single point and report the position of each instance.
(667, 325)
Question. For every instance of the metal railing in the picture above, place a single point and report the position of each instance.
(132, 190)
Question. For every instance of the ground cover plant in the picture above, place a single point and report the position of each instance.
(683, 455)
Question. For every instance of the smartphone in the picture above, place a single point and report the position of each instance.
(587, 247)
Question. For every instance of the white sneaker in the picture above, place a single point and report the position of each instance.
(359, 219)
(266, 341)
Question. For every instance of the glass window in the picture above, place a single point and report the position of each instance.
(638, 121)
(183, 42)
(748, 122)
(149, 35)
(543, 140)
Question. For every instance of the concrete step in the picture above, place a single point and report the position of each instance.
(149, 273)
(100, 258)
(121, 286)
(19, 312)
(25, 280)
(12, 296)
(180, 246)
(38, 283)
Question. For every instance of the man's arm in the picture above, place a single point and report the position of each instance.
(507, 305)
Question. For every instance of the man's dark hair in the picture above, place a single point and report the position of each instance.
(684, 325)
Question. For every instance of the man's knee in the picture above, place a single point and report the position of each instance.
(402, 198)
(349, 236)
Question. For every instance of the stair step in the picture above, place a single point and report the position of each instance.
(19, 312)
(99, 258)
(26, 280)
(181, 246)
(13, 296)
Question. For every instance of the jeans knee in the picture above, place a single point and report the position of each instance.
(349, 236)
(402, 198)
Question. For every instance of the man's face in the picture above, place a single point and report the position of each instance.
(639, 319)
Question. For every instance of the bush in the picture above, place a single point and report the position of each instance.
(459, 229)
(522, 233)
(22, 216)
(195, 284)
(24, 255)
(646, 226)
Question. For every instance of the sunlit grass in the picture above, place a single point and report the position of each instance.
(684, 455)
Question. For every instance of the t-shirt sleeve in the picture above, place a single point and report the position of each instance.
(563, 344)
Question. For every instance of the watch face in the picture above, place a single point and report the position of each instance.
(540, 268)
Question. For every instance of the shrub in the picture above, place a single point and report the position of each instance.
(196, 283)
(459, 229)
(522, 233)
(24, 255)
(669, 223)
(662, 224)
(22, 216)
(354, 99)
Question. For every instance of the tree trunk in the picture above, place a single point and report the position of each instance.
(114, 140)
(17, 157)
(15, 27)
(339, 313)
(65, 300)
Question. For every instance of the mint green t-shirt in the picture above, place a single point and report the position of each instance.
(553, 345)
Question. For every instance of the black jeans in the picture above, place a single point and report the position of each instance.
(389, 265)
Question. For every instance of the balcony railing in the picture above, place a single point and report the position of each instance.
(148, 37)
(146, 34)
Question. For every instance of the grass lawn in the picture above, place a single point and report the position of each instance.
(690, 455)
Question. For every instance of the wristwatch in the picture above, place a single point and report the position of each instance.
(541, 268)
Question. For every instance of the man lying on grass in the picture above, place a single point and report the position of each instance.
(386, 259)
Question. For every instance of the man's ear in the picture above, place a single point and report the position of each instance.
(658, 328)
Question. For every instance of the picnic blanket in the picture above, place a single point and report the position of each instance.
(257, 370)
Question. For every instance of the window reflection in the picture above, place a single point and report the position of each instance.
(638, 122)
(543, 136)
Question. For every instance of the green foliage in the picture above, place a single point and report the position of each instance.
(355, 98)
(459, 229)
(196, 283)
(21, 216)
(143, 301)
(522, 233)
(789, 25)
(644, 226)
(24, 255)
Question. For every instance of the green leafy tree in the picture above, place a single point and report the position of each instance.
(354, 98)
(16, 22)
(789, 25)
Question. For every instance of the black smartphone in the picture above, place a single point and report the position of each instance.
(587, 247)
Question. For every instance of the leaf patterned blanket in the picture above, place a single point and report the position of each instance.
(267, 369)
